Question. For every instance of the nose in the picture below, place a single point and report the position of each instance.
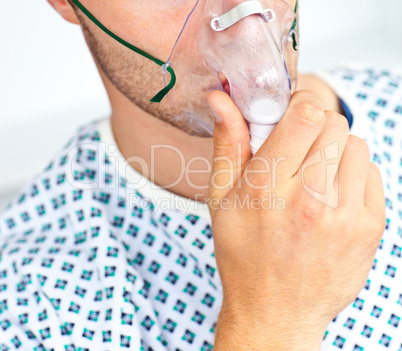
(227, 5)
(242, 20)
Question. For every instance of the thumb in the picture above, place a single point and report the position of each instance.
(231, 147)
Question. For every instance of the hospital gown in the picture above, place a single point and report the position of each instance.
(93, 259)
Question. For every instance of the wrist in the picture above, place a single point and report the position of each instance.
(247, 331)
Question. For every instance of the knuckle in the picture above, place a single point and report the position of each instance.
(213, 193)
(308, 113)
(308, 212)
(338, 120)
(359, 145)
(222, 147)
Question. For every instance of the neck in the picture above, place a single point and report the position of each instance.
(175, 160)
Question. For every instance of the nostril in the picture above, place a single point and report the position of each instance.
(224, 83)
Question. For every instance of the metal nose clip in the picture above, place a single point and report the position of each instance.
(247, 8)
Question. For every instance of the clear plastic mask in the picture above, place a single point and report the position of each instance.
(241, 48)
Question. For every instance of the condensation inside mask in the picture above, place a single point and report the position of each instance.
(247, 60)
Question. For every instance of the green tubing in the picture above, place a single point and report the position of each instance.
(294, 29)
(158, 97)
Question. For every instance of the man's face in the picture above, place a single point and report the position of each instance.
(153, 26)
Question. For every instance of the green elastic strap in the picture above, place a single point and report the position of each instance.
(158, 97)
(294, 29)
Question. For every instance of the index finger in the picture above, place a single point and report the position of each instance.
(294, 135)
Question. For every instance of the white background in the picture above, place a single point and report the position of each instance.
(49, 85)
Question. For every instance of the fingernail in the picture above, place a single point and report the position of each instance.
(218, 117)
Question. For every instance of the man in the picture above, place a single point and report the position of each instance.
(95, 256)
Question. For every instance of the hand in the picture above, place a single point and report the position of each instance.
(288, 271)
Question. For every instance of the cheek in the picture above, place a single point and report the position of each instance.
(165, 29)
(152, 25)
